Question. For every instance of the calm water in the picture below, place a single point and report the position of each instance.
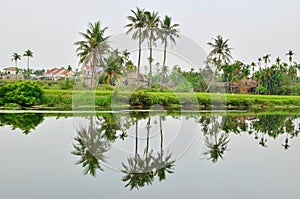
(149, 155)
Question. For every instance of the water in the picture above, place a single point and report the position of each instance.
(175, 155)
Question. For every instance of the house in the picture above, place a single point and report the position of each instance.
(12, 73)
(130, 80)
(86, 71)
(9, 71)
(56, 74)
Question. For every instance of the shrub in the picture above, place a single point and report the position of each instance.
(25, 93)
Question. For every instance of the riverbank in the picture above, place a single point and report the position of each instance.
(85, 99)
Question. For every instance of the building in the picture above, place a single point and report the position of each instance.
(58, 73)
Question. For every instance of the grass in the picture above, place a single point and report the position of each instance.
(145, 99)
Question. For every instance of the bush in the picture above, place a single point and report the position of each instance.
(25, 93)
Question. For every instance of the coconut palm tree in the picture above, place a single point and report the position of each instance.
(136, 27)
(94, 47)
(28, 53)
(113, 69)
(168, 33)
(220, 54)
(151, 32)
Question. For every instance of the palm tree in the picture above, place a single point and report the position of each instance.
(28, 53)
(94, 46)
(113, 69)
(220, 54)
(266, 59)
(290, 55)
(136, 26)
(15, 58)
(151, 32)
(168, 33)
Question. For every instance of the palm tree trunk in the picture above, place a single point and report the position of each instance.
(150, 63)
(148, 133)
(93, 68)
(136, 136)
(161, 135)
(211, 80)
(139, 58)
(164, 63)
(28, 67)
(16, 69)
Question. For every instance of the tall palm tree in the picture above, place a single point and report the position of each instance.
(266, 59)
(220, 53)
(28, 53)
(151, 32)
(168, 33)
(15, 58)
(136, 26)
(94, 47)
(290, 55)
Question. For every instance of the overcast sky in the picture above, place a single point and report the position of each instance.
(49, 28)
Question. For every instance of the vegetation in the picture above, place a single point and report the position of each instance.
(24, 93)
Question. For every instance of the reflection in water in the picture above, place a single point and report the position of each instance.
(23, 121)
(91, 145)
(94, 141)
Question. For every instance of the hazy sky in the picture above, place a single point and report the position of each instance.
(49, 28)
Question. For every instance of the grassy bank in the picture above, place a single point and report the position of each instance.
(65, 99)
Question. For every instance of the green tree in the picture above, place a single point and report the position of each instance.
(168, 34)
(290, 55)
(113, 69)
(151, 32)
(220, 54)
(136, 27)
(28, 53)
(93, 48)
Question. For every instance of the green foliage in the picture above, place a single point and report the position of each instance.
(25, 121)
(24, 93)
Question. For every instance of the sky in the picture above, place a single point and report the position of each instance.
(49, 28)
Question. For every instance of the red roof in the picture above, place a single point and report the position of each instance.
(65, 72)
(50, 71)
(57, 71)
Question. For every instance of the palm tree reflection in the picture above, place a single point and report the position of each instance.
(91, 146)
(215, 140)
(142, 169)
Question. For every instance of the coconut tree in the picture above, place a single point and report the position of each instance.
(94, 47)
(168, 34)
(136, 27)
(151, 32)
(113, 69)
(28, 53)
(220, 54)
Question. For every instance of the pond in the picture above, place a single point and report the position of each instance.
(142, 154)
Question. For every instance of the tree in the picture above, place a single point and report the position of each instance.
(168, 33)
(266, 59)
(28, 53)
(220, 54)
(136, 26)
(113, 69)
(94, 47)
(290, 55)
(151, 32)
(15, 58)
